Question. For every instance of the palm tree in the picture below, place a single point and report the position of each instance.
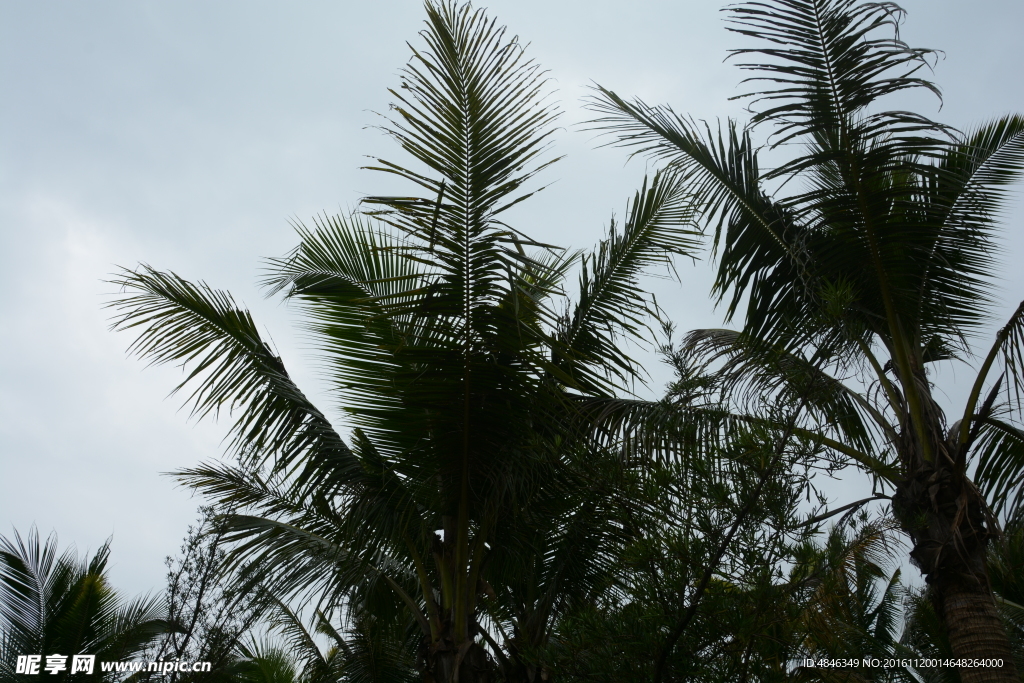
(57, 605)
(849, 601)
(463, 501)
(373, 649)
(864, 255)
(924, 631)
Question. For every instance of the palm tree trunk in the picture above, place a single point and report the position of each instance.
(976, 632)
(440, 662)
(944, 515)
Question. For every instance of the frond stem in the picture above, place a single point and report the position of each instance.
(972, 401)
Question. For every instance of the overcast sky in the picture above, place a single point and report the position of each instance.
(187, 135)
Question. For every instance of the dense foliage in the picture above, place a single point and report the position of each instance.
(54, 604)
(503, 507)
(859, 260)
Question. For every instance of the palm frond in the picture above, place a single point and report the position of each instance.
(297, 541)
(999, 452)
(852, 600)
(378, 651)
(302, 645)
(305, 558)
(658, 227)
(976, 171)
(366, 301)
(1008, 347)
(961, 199)
(56, 603)
(265, 663)
(827, 60)
(750, 372)
(344, 252)
(28, 570)
(133, 626)
(556, 557)
(470, 109)
(230, 367)
(669, 429)
(759, 241)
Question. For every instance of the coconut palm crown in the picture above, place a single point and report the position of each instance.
(866, 254)
(56, 604)
(455, 507)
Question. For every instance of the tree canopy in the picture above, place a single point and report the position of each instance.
(502, 506)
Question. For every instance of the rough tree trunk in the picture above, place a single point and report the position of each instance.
(944, 514)
(438, 663)
(976, 631)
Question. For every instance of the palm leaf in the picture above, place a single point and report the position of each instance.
(29, 573)
(316, 667)
(230, 367)
(669, 429)
(366, 302)
(999, 452)
(827, 60)
(133, 626)
(51, 604)
(378, 651)
(759, 240)
(962, 199)
(658, 226)
(470, 109)
(265, 663)
(1009, 347)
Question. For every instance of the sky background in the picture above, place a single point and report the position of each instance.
(187, 135)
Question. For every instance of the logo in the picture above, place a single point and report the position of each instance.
(30, 664)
